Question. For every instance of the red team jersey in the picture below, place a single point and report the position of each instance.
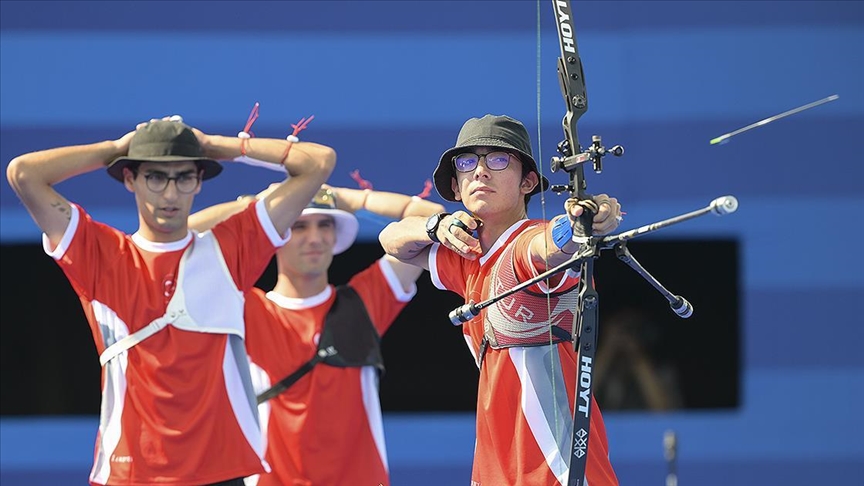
(525, 395)
(326, 429)
(169, 408)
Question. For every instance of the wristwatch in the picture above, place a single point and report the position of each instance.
(432, 225)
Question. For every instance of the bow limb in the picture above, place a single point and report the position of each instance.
(572, 83)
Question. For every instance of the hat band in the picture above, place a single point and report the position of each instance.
(314, 205)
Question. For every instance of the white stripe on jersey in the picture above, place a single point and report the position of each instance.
(260, 383)
(372, 404)
(526, 361)
(244, 406)
(433, 267)
(113, 393)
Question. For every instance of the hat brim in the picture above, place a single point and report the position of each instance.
(210, 167)
(445, 171)
(347, 227)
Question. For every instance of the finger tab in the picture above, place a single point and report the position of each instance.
(459, 224)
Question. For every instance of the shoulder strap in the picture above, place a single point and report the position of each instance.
(289, 380)
(348, 339)
(350, 330)
(133, 339)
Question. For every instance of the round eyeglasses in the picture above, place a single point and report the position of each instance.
(467, 161)
(186, 183)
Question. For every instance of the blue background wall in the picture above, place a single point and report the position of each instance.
(390, 83)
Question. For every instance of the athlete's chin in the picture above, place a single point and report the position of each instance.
(318, 259)
(479, 206)
(169, 225)
(311, 271)
(317, 263)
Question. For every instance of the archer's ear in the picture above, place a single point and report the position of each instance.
(200, 179)
(128, 178)
(454, 185)
(529, 182)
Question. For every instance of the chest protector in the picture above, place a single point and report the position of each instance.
(524, 318)
(348, 340)
(202, 279)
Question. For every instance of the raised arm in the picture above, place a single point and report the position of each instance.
(407, 241)
(212, 215)
(394, 206)
(33, 175)
(309, 165)
(390, 205)
(544, 249)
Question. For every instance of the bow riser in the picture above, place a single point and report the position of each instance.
(572, 83)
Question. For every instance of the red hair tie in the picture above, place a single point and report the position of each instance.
(427, 189)
(246, 134)
(298, 127)
(363, 183)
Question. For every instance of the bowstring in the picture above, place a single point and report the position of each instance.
(539, 64)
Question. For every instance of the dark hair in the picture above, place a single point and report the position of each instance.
(133, 167)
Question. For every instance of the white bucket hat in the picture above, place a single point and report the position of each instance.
(347, 225)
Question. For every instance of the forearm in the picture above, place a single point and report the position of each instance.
(545, 251)
(309, 166)
(388, 204)
(52, 166)
(556, 246)
(405, 239)
(209, 217)
(33, 175)
(301, 158)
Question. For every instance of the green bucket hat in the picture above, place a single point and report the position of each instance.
(490, 131)
(165, 141)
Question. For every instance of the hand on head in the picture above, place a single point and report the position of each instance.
(202, 137)
(122, 143)
(174, 118)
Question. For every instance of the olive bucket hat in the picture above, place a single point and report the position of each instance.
(165, 141)
(489, 131)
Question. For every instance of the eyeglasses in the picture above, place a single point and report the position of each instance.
(186, 183)
(467, 161)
